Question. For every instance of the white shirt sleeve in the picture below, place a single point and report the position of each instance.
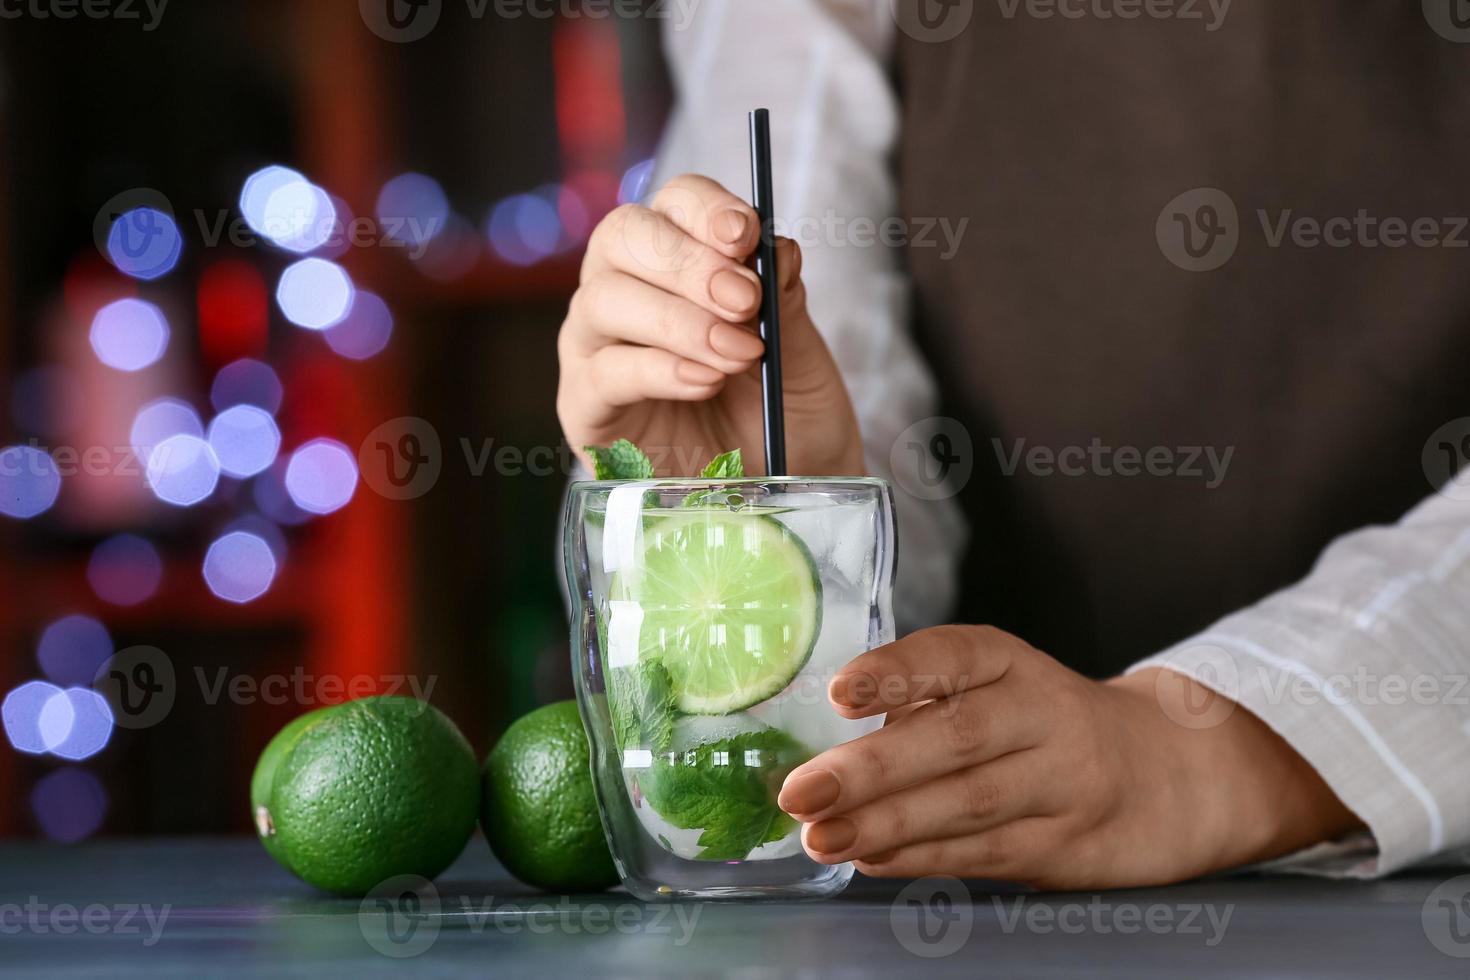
(821, 67)
(1363, 667)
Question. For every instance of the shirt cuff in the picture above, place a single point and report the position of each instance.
(1268, 674)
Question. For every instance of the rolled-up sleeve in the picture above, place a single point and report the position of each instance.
(1364, 669)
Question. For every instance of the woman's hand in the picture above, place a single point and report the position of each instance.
(660, 344)
(1021, 769)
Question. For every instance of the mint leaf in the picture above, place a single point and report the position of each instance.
(727, 789)
(726, 466)
(620, 461)
(641, 701)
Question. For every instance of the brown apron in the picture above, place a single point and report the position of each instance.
(1075, 313)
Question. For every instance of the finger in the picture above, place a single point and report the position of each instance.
(932, 663)
(625, 375)
(972, 727)
(617, 308)
(1015, 851)
(705, 210)
(648, 245)
(960, 803)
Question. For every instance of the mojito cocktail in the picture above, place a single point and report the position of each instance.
(709, 618)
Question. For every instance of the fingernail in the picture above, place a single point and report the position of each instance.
(730, 226)
(852, 690)
(832, 836)
(809, 792)
(734, 343)
(697, 374)
(732, 291)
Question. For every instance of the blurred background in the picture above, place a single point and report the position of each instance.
(281, 286)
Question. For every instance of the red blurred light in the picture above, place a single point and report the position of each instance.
(234, 312)
(589, 93)
(90, 283)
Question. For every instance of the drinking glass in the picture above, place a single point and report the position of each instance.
(708, 618)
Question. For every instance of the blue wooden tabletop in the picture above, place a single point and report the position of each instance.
(221, 907)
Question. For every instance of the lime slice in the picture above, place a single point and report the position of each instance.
(729, 602)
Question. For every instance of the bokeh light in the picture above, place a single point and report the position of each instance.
(72, 649)
(245, 440)
(239, 566)
(145, 243)
(412, 209)
(160, 419)
(69, 804)
(29, 481)
(271, 498)
(125, 570)
(246, 382)
(286, 209)
(129, 334)
(524, 229)
(21, 714)
(321, 476)
(315, 293)
(366, 329)
(634, 186)
(571, 210)
(183, 470)
(264, 529)
(76, 724)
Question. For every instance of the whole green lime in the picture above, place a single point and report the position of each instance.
(538, 807)
(349, 796)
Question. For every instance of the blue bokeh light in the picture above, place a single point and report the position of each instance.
(239, 566)
(145, 243)
(76, 724)
(129, 334)
(21, 715)
(125, 570)
(412, 209)
(72, 649)
(299, 217)
(635, 182)
(270, 496)
(264, 529)
(69, 804)
(183, 470)
(315, 293)
(321, 476)
(246, 382)
(245, 440)
(524, 229)
(366, 329)
(29, 481)
(160, 419)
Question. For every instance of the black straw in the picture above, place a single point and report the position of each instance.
(773, 411)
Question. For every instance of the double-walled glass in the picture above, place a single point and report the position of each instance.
(708, 619)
